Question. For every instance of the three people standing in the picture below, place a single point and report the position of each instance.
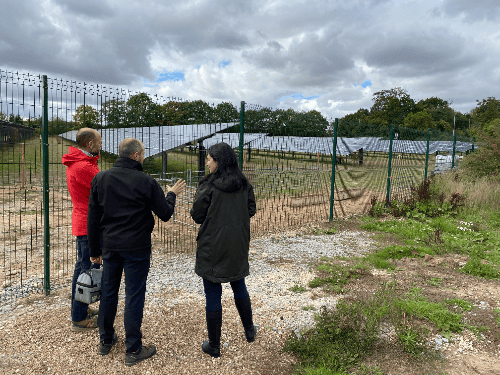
(113, 221)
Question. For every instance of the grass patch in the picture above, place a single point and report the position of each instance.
(297, 289)
(434, 281)
(345, 339)
(438, 313)
(476, 267)
(334, 277)
(465, 305)
(325, 231)
(341, 336)
(309, 308)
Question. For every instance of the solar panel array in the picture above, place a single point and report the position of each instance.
(346, 146)
(167, 138)
(156, 139)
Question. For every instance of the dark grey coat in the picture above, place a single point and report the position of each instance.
(224, 210)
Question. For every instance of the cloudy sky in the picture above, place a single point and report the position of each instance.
(326, 55)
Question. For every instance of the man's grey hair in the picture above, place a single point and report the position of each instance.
(128, 147)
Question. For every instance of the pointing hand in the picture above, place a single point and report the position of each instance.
(178, 187)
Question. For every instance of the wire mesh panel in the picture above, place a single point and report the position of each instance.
(288, 157)
(21, 268)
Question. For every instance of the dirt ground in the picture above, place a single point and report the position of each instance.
(467, 353)
(37, 340)
(439, 277)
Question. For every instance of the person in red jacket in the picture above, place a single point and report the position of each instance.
(81, 168)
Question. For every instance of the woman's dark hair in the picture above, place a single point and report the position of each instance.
(227, 164)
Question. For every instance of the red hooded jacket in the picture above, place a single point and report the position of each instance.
(80, 171)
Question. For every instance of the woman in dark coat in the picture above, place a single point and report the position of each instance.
(224, 204)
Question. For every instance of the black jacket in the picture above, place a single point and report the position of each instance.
(223, 208)
(120, 205)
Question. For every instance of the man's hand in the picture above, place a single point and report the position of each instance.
(178, 187)
(97, 260)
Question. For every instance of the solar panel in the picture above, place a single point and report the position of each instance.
(232, 139)
(156, 139)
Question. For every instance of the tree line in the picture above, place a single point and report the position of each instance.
(393, 107)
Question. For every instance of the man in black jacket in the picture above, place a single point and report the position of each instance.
(121, 203)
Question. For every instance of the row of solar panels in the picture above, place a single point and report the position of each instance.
(168, 138)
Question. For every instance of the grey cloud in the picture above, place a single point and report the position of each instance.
(312, 61)
(90, 8)
(419, 53)
(111, 51)
(274, 45)
(473, 11)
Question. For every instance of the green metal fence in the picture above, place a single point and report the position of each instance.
(301, 171)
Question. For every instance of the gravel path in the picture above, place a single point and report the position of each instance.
(277, 263)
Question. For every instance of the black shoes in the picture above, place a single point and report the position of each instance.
(214, 325)
(251, 333)
(105, 348)
(145, 353)
(244, 308)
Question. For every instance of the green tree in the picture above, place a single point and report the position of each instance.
(86, 117)
(438, 108)
(113, 113)
(199, 112)
(390, 107)
(15, 119)
(421, 120)
(173, 113)
(141, 111)
(353, 124)
(225, 112)
(58, 126)
(3, 116)
(485, 161)
(259, 121)
(486, 111)
(308, 124)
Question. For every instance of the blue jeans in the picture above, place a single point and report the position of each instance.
(213, 293)
(82, 264)
(136, 266)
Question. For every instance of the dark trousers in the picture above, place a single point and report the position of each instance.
(136, 266)
(82, 264)
(213, 293)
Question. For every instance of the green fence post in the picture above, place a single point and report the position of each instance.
(45, 162)
(334, 161)
(473, 141)
(242, 132)
(388, 197)
(427, 153)
(453, 156)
